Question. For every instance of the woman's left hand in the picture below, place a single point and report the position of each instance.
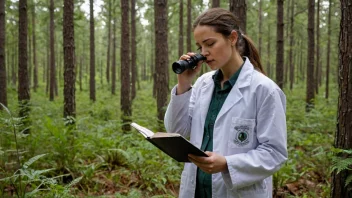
(215, 163)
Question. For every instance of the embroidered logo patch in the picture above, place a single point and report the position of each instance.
(242, 136)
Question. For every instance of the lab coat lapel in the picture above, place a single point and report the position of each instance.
(235, 94)
(205, 98)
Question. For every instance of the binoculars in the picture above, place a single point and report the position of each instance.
(180, 66)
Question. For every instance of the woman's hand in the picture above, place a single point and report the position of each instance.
(185, 78)
(215, 163)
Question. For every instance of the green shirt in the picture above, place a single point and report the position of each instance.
(203, 184)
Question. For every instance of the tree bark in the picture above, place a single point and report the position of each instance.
(180, 37)
(92, 55)
(239, 8)
(343, 136)
(133, 49)
(125, 66)
(215, 3)
(292, 65)
(260, 28)
(23, 83)
(161, 48)
(328, 53)
(189, 25)
(52, 52)
(310, 57)
(280, 44)
(35, 66)
(108, 44)
(3, 82)
(317, 49)
(113, 64)
(69, 60)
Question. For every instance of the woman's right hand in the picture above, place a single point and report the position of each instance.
(185, 78)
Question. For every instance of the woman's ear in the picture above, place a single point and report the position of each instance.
(233, 37)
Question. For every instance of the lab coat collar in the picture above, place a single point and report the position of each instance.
(235, 95)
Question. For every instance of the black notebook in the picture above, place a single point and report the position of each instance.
(173, 144)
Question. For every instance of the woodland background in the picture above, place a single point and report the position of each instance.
(74, 73)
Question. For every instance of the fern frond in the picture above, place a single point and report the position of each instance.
(348, 180)
(32, 160)
(341, 164)
(74, 182)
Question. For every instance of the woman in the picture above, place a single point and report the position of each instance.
(235, 113)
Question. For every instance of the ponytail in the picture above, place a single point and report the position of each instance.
(251, 52)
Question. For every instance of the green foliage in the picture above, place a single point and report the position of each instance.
(342, 161)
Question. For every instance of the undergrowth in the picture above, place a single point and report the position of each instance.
(110, 162)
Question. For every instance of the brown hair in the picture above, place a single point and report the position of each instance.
(223, 22)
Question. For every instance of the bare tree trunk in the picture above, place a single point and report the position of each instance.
(180, 37)
(69, 60)
(125, 67)
(292, 65)
(52, 51)
(343, 136)
(3, 82)
(317, 50)
(23, 86)
(310, 58)
(113, 64)
(35, 66)
(260, 35)
(133, 49)
(328, 53)
(189, 25)
(108, 44)
(92, 55)
(80, 72)
(239, 8)
(280, 44)
(269, 55)
(215, 3)
(161, 48)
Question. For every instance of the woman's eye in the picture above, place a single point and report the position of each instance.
(199, 49)
(211, 44)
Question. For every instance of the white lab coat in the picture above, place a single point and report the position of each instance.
(255, 105)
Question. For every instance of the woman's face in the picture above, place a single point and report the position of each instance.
(214, 46)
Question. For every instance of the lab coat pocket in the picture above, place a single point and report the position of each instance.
(241, 133)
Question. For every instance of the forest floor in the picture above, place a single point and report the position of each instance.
(107, 162)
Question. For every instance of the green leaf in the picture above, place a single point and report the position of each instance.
(74, 182)
(32, 160)
(348, 180)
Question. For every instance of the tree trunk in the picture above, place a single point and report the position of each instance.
(180, 37)
(269, 72)
(69, 60)
(239, 8)
(133, 49)
(35, 66)
(125, 67)
(23, 86)
(310, 58)
(52, 52)
(215, 3)
(3, 82)
(92, 55)
(343, 137)
(113, 64)
(317, 50)
(280, 44)
(108, 44)
(328, 53)
(80, 72)
(189, 25)
(292, 65)
(260, 35)
(161, 48)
